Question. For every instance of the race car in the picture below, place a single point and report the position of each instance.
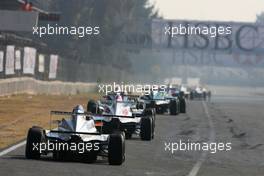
(125, 115)
(75, 138)
(185, 91)
(199, 93)
(180, 93)
(165, 101)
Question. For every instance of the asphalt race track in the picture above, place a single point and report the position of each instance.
(239, 121)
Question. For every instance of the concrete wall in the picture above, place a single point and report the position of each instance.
(32, 86)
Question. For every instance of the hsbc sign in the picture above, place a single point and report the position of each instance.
(234, 37)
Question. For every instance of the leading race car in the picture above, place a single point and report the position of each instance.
(75, 138)
(126, 114)
(200, 93)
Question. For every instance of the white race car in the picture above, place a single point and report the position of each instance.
(75, 137)
(125, 115)
(200, 93)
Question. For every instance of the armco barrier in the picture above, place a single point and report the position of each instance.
(32, 86)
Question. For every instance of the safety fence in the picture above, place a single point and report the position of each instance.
(20, 57)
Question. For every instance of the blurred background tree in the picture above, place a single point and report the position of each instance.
(117, 19)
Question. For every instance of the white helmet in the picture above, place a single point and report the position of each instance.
(78, 109)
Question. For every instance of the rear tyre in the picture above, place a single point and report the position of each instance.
(35, 136)
(146, 129)
(151, 113)
(116, 149)
(182, 106)
(153, 127)
(173, 107)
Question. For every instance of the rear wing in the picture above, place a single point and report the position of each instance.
(74, 132)
(111, 101)
(133, 96)
(87, 114)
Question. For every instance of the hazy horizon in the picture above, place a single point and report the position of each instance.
(236, 10)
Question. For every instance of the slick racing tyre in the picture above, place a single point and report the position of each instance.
(116, 149)
(151, 113)
(173, 107)
(146, 128)
(92, 106)
(182, 105)
(35, 136)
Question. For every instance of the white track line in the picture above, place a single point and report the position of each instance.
(12, 148)
(202, 158)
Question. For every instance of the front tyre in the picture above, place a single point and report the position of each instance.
(146, 128)
(151, 113)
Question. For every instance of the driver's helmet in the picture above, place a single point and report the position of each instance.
(119, 97)
(78, 110)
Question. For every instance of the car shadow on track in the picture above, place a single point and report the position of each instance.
(100, 161)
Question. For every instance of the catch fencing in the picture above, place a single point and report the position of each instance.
(27, 66)
(17, 61)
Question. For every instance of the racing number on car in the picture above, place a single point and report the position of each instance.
(125, 111)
